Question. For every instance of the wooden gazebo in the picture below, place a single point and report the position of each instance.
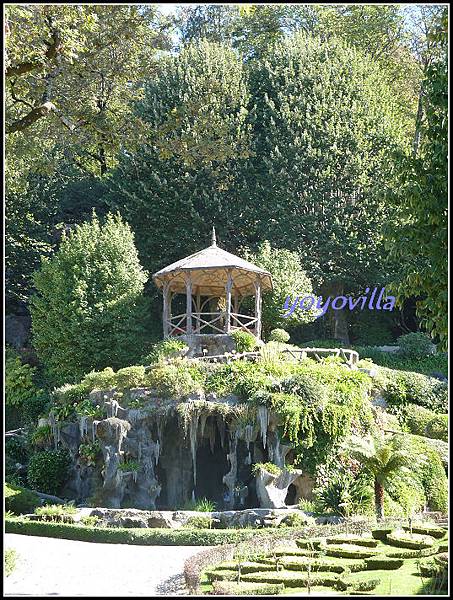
(214, 282)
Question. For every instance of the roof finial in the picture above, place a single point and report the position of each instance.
(213, 238)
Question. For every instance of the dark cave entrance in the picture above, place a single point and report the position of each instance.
(212, 465)
(291, 496)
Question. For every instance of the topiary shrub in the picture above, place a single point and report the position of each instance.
(415, 345)
(383, 562)
(415, 541)
(279, 335)
(245, 342)
(295, 520)
(355, 585)
(48, 470)
(19, 500)
(437, 428)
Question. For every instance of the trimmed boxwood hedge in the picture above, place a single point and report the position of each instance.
(295, 552)
(221, 575)
(293, 564)
(412, 553)
(232, 588)
(428, 529)
(246, 566)
(414, 542)
(380, 533)
(292, 579)
(349, 551)
(352, 539)
(383, 562)
(314, 544)
(139, 536)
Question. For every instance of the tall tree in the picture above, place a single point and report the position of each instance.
(324, 125)
(88, 312)
(71, 74)
(417, 232)
(184, 180)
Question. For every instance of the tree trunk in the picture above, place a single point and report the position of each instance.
(379, 500)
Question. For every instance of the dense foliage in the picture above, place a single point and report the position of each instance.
(417, 233)
(89, 311)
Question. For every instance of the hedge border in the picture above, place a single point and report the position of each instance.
(135, 536)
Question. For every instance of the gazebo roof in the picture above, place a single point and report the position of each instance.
(209, 268)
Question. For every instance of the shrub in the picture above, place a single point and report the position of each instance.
(42, 436)
(245, 342)
(130, 377)
(99, 380)
(279, 335)
(55, 512)
(170, 347)
(89, 451)
(294, 520)
(383, 562)
(48, 470)
(269, 467)
(425, 422)
(431, 474)
(355, 585)
(344, 494)
(199, 522)
(415, 345)
(402, 388)
(19, 500)
(312, 544)
(16, 448)
(89, 306)
(172, 380)
(69, 394)
(437, 428)
(405, 540)
(19, 386)
(392, 360)
(201, 505)
(90, 521)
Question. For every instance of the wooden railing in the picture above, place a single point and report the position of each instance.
(351, 357)
(213, 321)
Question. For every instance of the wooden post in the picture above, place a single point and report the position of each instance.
(166, 311)
(228, 288)
(189, 303)
(258, 308)
(198, 309)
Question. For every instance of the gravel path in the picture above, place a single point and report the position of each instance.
(48, 566)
